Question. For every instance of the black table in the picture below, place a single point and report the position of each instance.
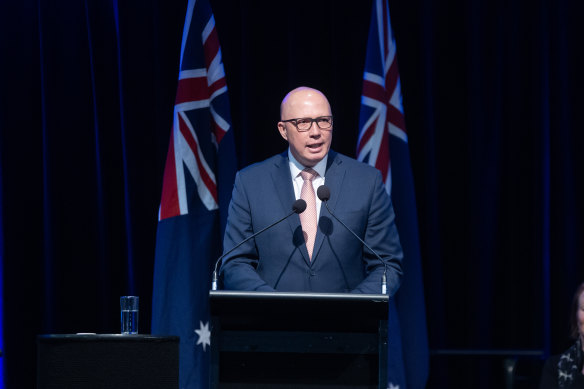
(107, 361)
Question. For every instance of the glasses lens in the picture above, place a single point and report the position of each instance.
(303, 124)
(324, 122)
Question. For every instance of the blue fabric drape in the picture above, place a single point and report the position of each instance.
(492, 92)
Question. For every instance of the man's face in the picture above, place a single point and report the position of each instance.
(311, 146)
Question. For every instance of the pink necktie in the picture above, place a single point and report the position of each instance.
(308, 217)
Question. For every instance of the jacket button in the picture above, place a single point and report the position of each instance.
(312, 273)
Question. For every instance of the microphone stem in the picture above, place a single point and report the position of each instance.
(384, 277)
(214, 282)
(384, 283)
(296, 209)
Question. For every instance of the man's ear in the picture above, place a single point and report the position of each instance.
(282, 129)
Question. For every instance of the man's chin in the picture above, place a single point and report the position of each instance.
(311, 160)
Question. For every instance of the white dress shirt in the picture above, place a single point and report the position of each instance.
(297, 181)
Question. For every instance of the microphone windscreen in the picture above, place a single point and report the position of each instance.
(299, 206)
(323, 193)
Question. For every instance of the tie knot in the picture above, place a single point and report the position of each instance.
(308, 174)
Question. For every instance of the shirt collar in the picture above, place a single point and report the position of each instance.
(296, 167)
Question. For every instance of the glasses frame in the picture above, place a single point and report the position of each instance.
(295, 123)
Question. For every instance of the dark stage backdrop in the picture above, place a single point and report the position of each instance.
(491, 90)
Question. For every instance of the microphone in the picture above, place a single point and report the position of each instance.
(324, 194)
(297, 207)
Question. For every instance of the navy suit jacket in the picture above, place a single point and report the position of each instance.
(277, 259)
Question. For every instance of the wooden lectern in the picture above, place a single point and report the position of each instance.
(298, 340)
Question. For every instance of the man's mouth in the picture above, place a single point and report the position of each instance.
(314, 146)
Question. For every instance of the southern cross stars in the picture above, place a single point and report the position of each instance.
(204, 335)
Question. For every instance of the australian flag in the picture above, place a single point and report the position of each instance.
(196, 189)
(382, 133)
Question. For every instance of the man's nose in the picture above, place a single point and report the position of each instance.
(314, 129)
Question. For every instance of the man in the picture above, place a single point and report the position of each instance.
(301, 254)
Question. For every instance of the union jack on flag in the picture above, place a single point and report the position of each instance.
(201, 104)
(198, 179)
(381, 129)
(381, 102)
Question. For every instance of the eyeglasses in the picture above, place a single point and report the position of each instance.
(304, 124)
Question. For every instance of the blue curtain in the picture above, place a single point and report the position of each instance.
(491, 92)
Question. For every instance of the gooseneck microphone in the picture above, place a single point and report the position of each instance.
(297, 207)
(324, 194)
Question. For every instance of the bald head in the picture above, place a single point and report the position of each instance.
(312, 145)
(302, 97)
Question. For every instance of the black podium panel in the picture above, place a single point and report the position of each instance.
(298, 340)
(107, 361)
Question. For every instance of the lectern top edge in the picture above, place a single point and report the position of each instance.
(231, 294)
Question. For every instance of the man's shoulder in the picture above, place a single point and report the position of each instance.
(335, 160)
(351, 164)
(262, 167)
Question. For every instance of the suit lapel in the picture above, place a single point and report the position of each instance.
(283, 183)
(334, 177)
